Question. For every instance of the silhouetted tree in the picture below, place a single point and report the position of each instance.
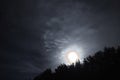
(103, 65)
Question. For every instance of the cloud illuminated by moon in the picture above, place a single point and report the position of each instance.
(67, 31)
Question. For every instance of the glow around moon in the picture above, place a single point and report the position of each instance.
(72, 57)
(72, 54)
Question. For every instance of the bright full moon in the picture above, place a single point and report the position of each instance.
(72, 54)
(72, 57)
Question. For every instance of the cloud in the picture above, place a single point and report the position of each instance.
(33, 33)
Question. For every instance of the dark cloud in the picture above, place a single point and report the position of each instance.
(34, 32)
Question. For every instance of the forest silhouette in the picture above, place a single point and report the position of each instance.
(102, 65)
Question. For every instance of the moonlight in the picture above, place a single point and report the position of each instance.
(72, 57)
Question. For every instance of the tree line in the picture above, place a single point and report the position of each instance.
(103, 65)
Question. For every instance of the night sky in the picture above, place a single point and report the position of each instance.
(36, 34)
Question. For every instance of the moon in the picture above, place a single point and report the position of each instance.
(71, 54)
(72, 57)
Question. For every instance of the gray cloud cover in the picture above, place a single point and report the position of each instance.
(34, 31)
